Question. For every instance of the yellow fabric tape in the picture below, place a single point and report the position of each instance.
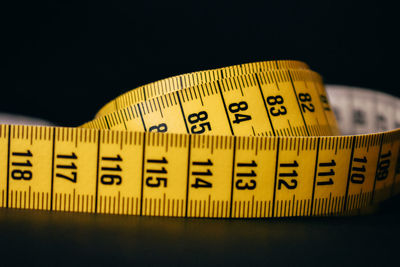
(255, 140)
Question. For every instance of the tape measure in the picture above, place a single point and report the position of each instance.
(255, 140)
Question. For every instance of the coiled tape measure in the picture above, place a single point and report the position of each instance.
(250, 141)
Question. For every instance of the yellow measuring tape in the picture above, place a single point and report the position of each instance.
(250, 141)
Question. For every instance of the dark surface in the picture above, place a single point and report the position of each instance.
(62, 62)
(29, 237)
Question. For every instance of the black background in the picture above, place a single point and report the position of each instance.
(63, 61)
